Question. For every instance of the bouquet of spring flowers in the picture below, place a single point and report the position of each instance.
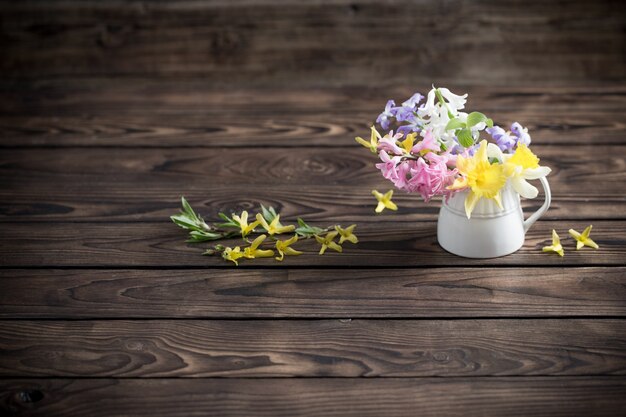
(437, 150)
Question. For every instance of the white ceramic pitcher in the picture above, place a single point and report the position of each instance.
(492, 231)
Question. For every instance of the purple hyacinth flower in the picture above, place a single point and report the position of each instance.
(389, 113)
(413, 125)
(404, 113)
(520, 133)
(413, 101)
(504, 141)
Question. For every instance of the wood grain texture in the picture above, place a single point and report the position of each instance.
(313, 293)
(146, 184)
(412, 244)
(339, 348)
(469, 397)
(332, 42)
(161, 113)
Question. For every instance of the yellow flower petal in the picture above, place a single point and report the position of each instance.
(582, 239)
(282, 246)
(327, 242)
(407, 143)
(524, 157)
(232, 254)
(556, 245)
(470, 202)
(347, 234)
(384, 201)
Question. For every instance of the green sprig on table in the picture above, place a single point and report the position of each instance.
(267, 222)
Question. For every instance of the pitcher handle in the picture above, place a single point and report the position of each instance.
(536, 215)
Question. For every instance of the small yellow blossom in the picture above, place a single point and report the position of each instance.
(384, 201)
(346, 234)
(372, 145)
(327, 242)
(232, 254)
(407, 144)
(253, 250)
(582, 239)
(283, 248)
(243, 223)
(556, 245)
(274, 228)
(481, 177)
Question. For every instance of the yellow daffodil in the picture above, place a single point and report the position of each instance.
(232, 254)
(521, 166)
(327, 242)
(582, 239)
(384, 201)
(253, 250)
(556, 245)
(243, 223)
(283, 248)
(346, 234)
(274, 228)
(481, 177)
(372, 145)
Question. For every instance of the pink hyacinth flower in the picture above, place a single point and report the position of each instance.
(388, 143)
(428, 143)
(388, 166)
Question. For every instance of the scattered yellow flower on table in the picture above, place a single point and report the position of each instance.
(384, 201)
(274, 228)
(582, 239)
(346, 234)
(372, 145)
(327, 242)
(253, 250)
(283, 248)
(481, 177)
(243, 223)
(556, 244)
(232, 254)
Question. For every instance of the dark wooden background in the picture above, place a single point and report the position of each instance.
(111, 110)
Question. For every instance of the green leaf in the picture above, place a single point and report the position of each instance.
(187, 209)
(229, 222)
(455, 124)
(185, 222)
(269, 214)
(224, 217)
(198, 236)
(307, 231)
(474, 118)
(465, 137)
(489, 123)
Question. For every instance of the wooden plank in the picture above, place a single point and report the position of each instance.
(313, 293)
(492, 396)
(312, 348)
(589, 182)
(335, 42)
(412, 244)
(144, 112)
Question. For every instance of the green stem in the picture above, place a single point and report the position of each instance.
(443, 102)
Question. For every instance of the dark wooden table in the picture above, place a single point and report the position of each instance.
(108, 114)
